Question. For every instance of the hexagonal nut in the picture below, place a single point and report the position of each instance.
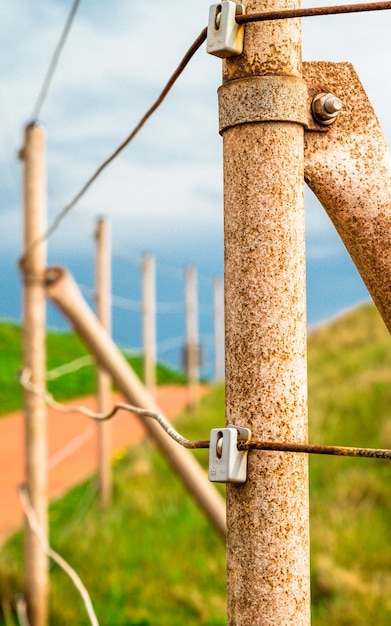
(326, 108)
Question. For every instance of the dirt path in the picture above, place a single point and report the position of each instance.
(72, 448)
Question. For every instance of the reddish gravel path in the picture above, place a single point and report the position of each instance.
(72, 448)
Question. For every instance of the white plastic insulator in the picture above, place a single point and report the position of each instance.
(225, 36)
(227, 464)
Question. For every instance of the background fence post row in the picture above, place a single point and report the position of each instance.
(64, 293)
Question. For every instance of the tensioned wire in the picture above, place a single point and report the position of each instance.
(240, 19)
(54, 62)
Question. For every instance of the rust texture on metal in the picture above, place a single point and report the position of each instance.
(301, 448)
(65, 294)
(265, 316)
(285, 14)
(262, 99)
(349, 170)
(369, 453)
(278, 446)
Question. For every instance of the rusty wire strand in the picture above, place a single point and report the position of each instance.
(271, 446)
(312, 12)
(307, 448)
(67, 208)
(24, 378)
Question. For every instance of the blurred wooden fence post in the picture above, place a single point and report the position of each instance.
(192, 348)
(149, 321)
(218, 310)
(33, 266)
(103, 306)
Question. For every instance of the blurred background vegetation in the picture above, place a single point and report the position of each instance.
(152, 559)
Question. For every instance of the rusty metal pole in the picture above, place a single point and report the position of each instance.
(218, 307)
(149, 321)
(262, 114)
(33, 267)
(192, 347)
(103, 306)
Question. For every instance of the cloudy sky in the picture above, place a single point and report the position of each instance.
(164, 194)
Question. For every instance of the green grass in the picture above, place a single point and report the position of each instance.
(62, 347)
(152, 559)
(350, 404)
(10, 364)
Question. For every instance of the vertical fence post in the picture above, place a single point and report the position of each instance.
(103, 305)
(149, 321)
(218, 310)
(192, 346)
(33, 266)
(265, 314)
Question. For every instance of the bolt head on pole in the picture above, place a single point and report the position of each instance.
(325, 108)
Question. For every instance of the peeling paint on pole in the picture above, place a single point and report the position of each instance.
(268, 527)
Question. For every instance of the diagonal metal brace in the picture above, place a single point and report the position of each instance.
(348, 168)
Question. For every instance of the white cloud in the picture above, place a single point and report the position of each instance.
(168, 183)
(112, 68)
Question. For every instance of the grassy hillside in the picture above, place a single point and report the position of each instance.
(61, 348)
(350, 404)
(153, 560)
